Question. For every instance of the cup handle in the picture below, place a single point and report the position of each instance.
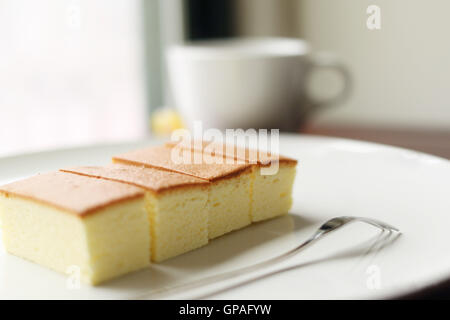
(327, 61)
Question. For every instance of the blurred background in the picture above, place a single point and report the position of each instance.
(76, 72)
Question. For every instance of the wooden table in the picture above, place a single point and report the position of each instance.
(429, 141)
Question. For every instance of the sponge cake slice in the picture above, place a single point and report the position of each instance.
(176, 205)
(273, 175)
(61, 221)
(229, 202)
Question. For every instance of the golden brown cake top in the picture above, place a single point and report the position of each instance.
(77, 194)
(232, 151)
(148, 178)
(183, 161)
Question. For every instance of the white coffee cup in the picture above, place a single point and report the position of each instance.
(247, 82)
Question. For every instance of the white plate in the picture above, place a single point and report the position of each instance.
(335, 177)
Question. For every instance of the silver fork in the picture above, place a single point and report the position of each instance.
(325, 229)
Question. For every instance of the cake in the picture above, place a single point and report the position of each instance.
(148, 205)
(273, 175)
(61, 220)
(176, 205)
(272, 194)
(229, 202)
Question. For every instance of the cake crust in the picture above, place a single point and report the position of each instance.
(151, 179)
(234, 152)
(160, 157)
(72, 193)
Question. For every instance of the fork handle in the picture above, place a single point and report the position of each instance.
(231, 274)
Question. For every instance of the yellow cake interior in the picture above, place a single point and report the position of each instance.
(104, 244)
(272, 194)
(271, 185)
(229, 204)
(178, 221)
(175, 203)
